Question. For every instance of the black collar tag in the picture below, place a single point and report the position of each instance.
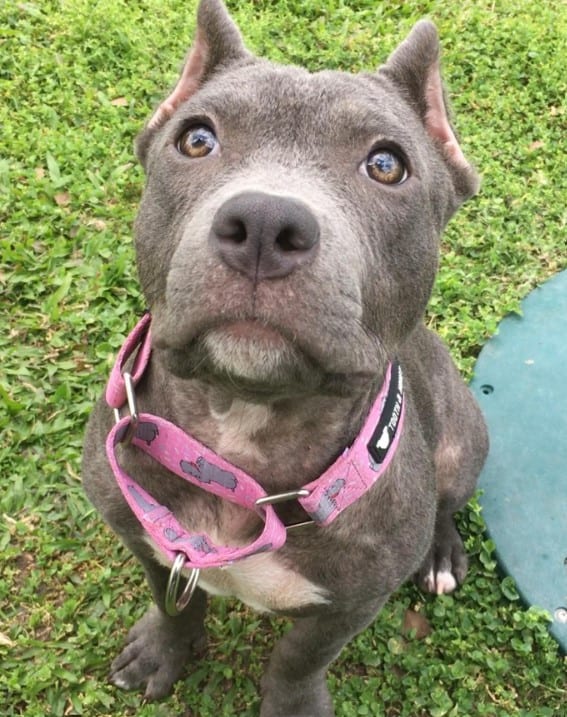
(389, 422)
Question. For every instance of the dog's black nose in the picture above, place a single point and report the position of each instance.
(264, 236)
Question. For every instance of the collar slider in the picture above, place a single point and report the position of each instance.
(282, 497)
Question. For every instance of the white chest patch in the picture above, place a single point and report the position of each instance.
(237, 427)
(260, 581)
(263, 583)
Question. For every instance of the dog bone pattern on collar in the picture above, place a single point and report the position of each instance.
(354, 472)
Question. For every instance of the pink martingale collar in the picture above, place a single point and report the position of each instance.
(348, 478)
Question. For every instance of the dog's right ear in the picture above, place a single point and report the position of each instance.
(217, 44)
(414, 69)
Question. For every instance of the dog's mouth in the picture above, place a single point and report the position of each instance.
(250, 350)
(248, 357)
(250, 331)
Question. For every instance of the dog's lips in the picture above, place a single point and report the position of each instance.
(255, 331)
(237, 330)
(249, 348)
(245, 354)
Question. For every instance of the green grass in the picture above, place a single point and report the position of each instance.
(77, 80)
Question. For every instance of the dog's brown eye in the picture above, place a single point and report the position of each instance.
(197, 142)
(386, 167)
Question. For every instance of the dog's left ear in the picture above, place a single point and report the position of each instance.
(217, 45)
(415, 67)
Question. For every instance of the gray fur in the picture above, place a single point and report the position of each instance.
(302, 344)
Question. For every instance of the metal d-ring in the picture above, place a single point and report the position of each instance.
(132, 407)
(126, 438)
(174, 606)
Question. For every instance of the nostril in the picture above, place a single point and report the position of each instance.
(287, 240)
(232, 230)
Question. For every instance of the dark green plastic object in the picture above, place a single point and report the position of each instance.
(521, 384)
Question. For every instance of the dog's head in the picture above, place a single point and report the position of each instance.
(288, 234)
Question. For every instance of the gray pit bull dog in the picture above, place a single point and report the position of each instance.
(287, 244)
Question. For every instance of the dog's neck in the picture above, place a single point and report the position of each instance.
(283, 443)
(238, 427)
(300, 469)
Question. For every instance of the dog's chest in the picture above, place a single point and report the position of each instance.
(263, 581)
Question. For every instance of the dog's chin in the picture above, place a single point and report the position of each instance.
(249, 360)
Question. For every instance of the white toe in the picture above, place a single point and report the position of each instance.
(445, 582)
(121, 683)
(429, 581)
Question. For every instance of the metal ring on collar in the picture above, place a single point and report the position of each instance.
(174, 606)
(132, 408)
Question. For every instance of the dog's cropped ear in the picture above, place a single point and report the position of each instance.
(414, 67)
(217, 44)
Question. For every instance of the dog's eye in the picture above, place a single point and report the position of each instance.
(197, 142)
(386, 167)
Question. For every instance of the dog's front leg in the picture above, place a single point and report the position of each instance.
(158, 646)
(294, 684)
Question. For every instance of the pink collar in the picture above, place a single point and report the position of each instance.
(347, 479)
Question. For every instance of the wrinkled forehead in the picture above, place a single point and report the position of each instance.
(281, 102)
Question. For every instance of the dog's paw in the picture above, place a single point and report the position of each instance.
(446, 565)
(154, 656)
(438, 582)
(295, 699)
